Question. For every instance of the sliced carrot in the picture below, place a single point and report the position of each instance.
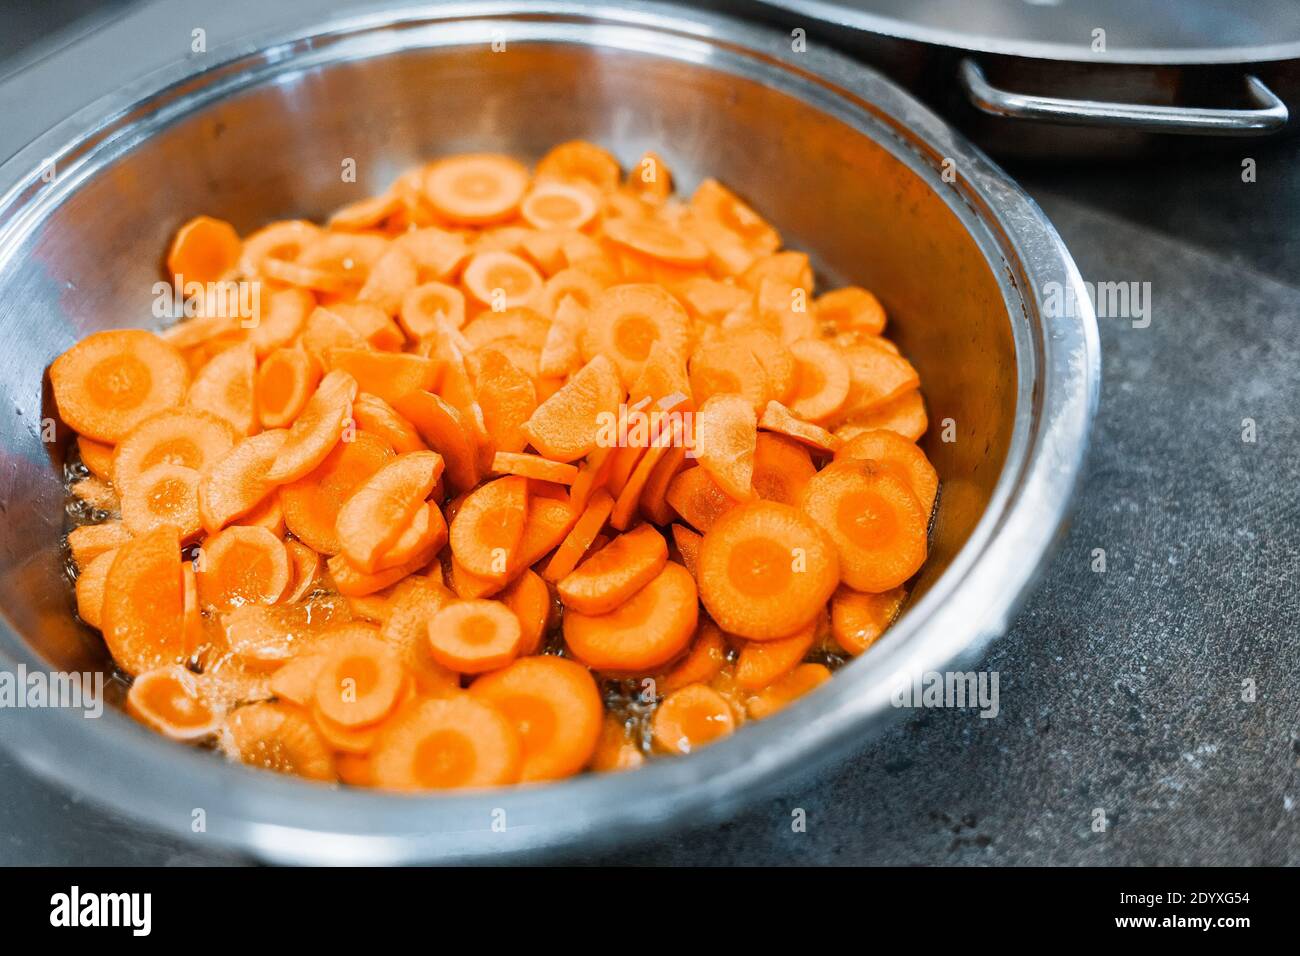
(326, 329)
(657, 239)
(726, 432)
(89, 541)
(285, 381)
(423, 305)
(204, 250)
(447, 744)
(728, 368)
(787, 689)
(556, 709)
(904, 415)
(373, 414)
(558, 205)
(654, 494)
(783, 308)
(577, 285)
(236, 483)
(735, 234)
(476, 189)
(624, 464)
(375, 515)
(352, 582)
(516, 322)
(615, 573)
(285, 316)
(192, 439)
(560, 352)
(280, 737)
(501, 280)
(533, 466)
(438, 253)
(446, 432)
(263, 637)
(96, 456)
(373, 608)
(360, 681)
(243, 566)
(426, 532)
(167, 700)
(583, 161)
(284, 240)
(334, 262)
(90, 587)
(626, 320)
(858, 620)
(507, 396)
(688, 546)
(616, 750)
(765, 570)
(369, 324)
(791, 268)
(225, 387)
(690, 718)
(389, 375)
(366, 213)
(393, 275)
(762, 662)
(878, 375)
(317, 430)
(850, 310)
(579, 539)
(306, 566)
(414, 602)
(706, 657)
(467, 585)
(567, 425)
(898, 456)
(782, 468)
(548, 522)
(143, 611)
(695, 496)
(475, 636)
(823, 380)
(877, 525)
(111, 381)
(630, 494)
(777, 418)
(486, 531)
(646, 632)
(530, 599)
(312, 503)
(163, 495)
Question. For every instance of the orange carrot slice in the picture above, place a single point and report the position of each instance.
(501, 280)
(762, 662)
(96, 456)
(782, 468)
(143, 610)
(359, 682)
(167, 700)
(438, 253)
(695, 496)
(426, 532)
(513, 322)
(567, 425)
(351, 582)
(242, 565)
(898, 456)
(475, 636)
(580, 160)
(626, 320)
(90, 587)
(389, 375)
(616, 750)
(701, 664)
(236, 483)
(766, 570)
(191, 439)
(312, 503)
(285, 381)
(777, 418)
(556, 709)
(787, 689)
(507, 396)
(615, 573)
(654, 494)
(317, 430)
(688, 546)
(89, 541)
(375, 515)
(728, 368)
(414, 602)
(280, 737)
(656, 239)
(850, 310)
(204, 250)
(486, 531)
(558, 205)
(878, 374)
(877, 525)
(690, 718)
(726, 432)
(373, 414)
(425, 307)
(445, 431)
(225, 387)
(306, 567)
(858, 620)
(904, 415)
(579, 539)
(823, 380)
(111, 381)
(533, 466)
(476, 189)
(646, 632)
(392, 276)
(447, 744)
(530, 599)
(163, 495)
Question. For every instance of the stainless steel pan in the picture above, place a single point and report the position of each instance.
(850, 167)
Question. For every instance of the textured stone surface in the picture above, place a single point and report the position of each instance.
(1121, 690)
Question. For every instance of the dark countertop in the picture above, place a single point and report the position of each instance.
(1120, 690)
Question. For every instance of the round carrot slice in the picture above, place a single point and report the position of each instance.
(279, 737)
(501, 280)
(281, 241)
(616, 572)
(317, 430)
(360, 681)
(766, 570)
(285, 381)
(204, 250)
(96, 456)
(691, 718)
(236, 483)
(447, 744)
(556, 709)
(476, 189)
(728, 368)
(822, 382)
(475, 636)
(312, 503)
(782, 468)
(657, 240)
(877, 525)
(377, 513)
(111, 381)
(414, 602)
(530, 599)
(625, 320)
(904, 415)
(190, 439)
(580, 160)
(423, 305)
(163, 495)
(900, 458)
(144, 603)
(242, 565)
(850, 310)
(225, 385)
(167, 700)
(649, 630)
(858, 620)
(554, 204)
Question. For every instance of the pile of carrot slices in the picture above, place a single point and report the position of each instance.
(500, 476)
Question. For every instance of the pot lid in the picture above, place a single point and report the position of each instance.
(1136, 31)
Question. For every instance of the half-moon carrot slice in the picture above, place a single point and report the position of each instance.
(360, 681)
(312, 503)
(616, 572)
(374, 415)
(554, 204)
(688, 546)
(905, 415)
(263, 637)
(426, 532)
(654, 495)
(90, 587)
(728, 368)
(549, 521)
(501, 280)
(701, 664)
(691, 718)
(204, 250)
(163, 495)
(851, 310)
(327, 329)
(762, 662)
(317, 430)
(192, 439)
(225, 387)
(560, 352)
(579, 539)
(351, 582)
(279, 737)
(241, 565)
(580, 160)
(306, 566)
(285, 381)
(392, 276)
(111, 381)
(447, 744)
(695, 496)
(822, 382)
(777, 418)
(144, 604)
(726, 432)
(626, 320)
(630, 494)
(371, 324)
(486, 531)
(787, 689)
(414, 603)
(646, 632)
(568, 425)
(475, 636)
(390, 375)
(236, 483)
(438, 253)
(96, 456)
(782, 467)
(285, 314)
(446, 432)
(766, 570)
(530, 599)
(877, 525)
(89, 541)
(533, 466)
(658, 240)
(476, 188)
(878, 375)
(507, 396)
(900, 457)
(858, 620)
(379, 511)
(167, 700)
(556, 709)
(515, 322)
